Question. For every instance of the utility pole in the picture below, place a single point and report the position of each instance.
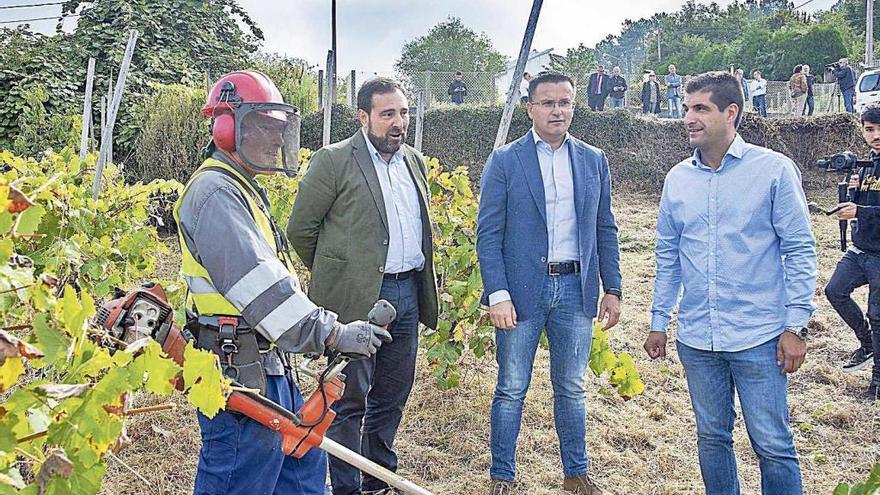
(335, 53)
(507, 115)
(659, 55)
(869, 33)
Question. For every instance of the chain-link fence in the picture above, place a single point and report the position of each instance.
(486, 88)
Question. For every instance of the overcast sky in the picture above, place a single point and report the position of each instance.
(372, 32)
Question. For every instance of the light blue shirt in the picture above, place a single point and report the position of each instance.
(736, 243)
(402, 209)
(562, 227)
(673, 85)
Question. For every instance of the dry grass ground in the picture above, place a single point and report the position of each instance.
(644, 446)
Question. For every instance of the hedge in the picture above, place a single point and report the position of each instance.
(640, 149)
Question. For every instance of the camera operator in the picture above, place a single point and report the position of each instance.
(846, 78)
(861, 263)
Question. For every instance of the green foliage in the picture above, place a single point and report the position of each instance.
(59, 250)
(450, 46)
(621, 369)
(38, 130)
(172, 135)
(578, 62)
(869, 487)
(295, 78)
(178, 42)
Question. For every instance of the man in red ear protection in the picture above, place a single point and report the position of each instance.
(244, 301)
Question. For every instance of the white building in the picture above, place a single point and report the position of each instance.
(537, 62)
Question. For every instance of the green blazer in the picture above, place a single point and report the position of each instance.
(339, 229)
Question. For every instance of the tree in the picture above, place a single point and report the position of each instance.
(578, 61)
(451, 46)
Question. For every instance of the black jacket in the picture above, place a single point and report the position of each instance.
(457, 91)
(866, 228)
(846, 77)
(594, 81)
(646, 97)
(617, 82)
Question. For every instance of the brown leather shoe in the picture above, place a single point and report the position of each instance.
(582, 485)
(501, 487)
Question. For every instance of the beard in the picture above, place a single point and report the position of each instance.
(386, 144)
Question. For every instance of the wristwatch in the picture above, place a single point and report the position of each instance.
(801, 332)
(615, 292)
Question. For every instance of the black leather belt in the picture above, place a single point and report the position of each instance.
(563, 267)
(400, 276)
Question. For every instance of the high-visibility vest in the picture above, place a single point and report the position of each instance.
(201, 293)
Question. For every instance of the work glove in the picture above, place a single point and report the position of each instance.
(358, 339)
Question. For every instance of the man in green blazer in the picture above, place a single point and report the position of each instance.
(360, 223)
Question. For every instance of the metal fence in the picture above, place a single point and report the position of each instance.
(485, 88)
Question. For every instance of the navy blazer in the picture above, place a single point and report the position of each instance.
(512, 243)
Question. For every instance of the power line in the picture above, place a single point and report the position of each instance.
(24, 6)
(38, 19)
(801, 5)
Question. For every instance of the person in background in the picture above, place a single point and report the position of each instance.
(524, 88)
(860, 265)
(651, 95)
(618, 89)
(673, 92)
(745, 86)
(758, 88)
(598, 89)
(797, 86)
(811, 101)
(846, 78)
(457, 89)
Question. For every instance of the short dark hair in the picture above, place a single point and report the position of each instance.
(798, 68)
(376, 86)
(458, 73)
(548, 77)
(723, 88)
(871, 114)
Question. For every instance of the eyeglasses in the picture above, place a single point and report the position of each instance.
(562, 104)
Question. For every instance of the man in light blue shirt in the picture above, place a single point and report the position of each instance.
(734, 238)
(545, 237)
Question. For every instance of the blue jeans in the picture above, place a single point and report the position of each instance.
(616, 102)
(674, 104)
(760, 103)
(559, 310)
(242, 457)
(376, 390)
(848, 95)
(714, 378)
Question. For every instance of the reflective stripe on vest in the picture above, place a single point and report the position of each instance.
(201, 294)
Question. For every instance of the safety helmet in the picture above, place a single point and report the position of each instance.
(249, 116)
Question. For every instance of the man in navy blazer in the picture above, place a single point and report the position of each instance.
(545, 237)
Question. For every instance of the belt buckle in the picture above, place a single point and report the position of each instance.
(550, 269)
(226, 334)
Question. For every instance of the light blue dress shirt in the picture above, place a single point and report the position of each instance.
(402, 209)
(562, 227)
(736, 243)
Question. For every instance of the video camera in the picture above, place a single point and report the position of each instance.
(844, 163)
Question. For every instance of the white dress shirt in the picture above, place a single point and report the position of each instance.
(402, 209)
(562, 227)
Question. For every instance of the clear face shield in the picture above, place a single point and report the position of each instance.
(267, 137)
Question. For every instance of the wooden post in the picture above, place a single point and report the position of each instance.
(87, 111)
(507, 115)
(420, 120)
(328, 99)
(109, 157)
(106, 137)
(353, 90)
(320, 88)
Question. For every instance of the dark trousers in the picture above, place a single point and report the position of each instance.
(760, 103)
(376, 390)
(811, 106)
(596, 102)
(854, 271)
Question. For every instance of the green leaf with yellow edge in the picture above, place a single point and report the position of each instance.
(204, 382)
(6, 249)
(10, 370)
(159, 370)
(70, 311)
(6, 221)
(30, 219)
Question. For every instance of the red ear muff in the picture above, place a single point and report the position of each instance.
(224, 131)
